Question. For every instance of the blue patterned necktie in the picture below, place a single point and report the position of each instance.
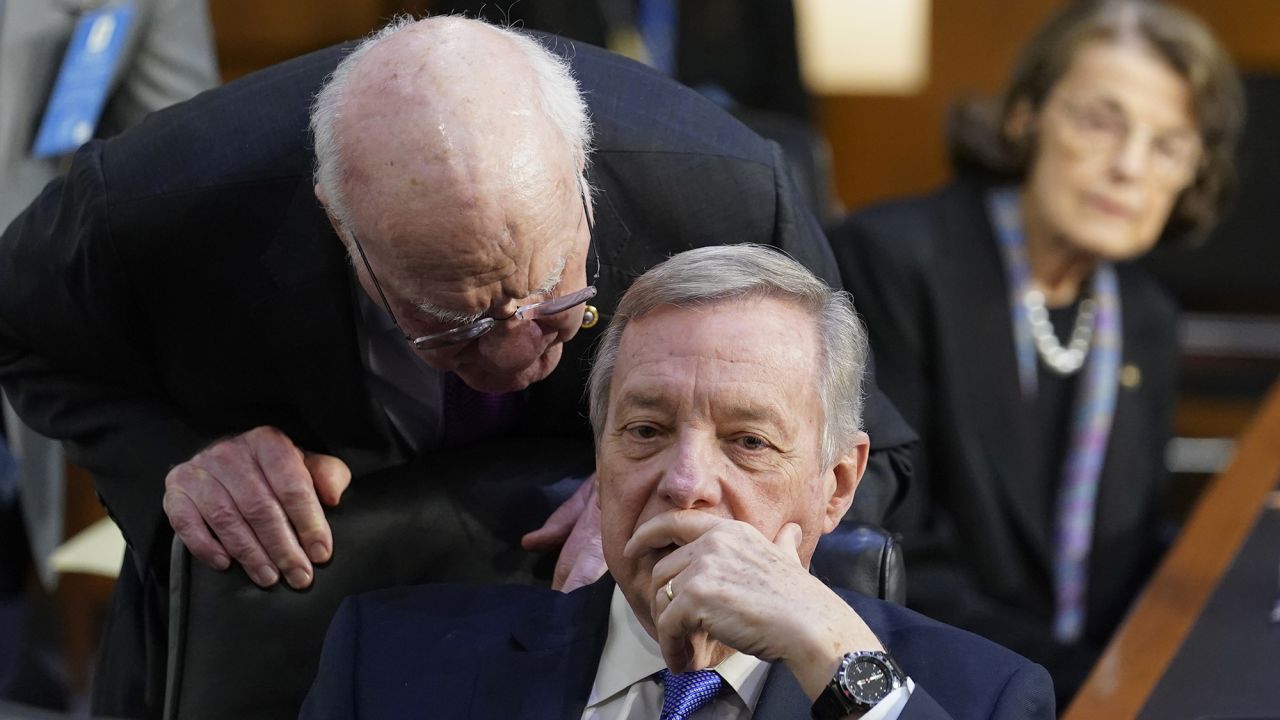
(684, 694)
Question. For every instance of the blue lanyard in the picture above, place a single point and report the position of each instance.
(656, 20)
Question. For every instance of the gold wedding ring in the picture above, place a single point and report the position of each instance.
(671, 595)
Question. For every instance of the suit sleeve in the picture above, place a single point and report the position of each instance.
(796, 230)
(333, 693)
(888, 296)
(889, 466)
(1028, 694)
(74, 359)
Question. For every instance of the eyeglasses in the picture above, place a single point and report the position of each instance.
(1100, 129)
(473, 330)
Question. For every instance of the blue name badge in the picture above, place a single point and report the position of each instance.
(80, 92)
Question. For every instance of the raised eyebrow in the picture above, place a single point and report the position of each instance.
(755, 414)
(460, 318)
(644, 400)
(446, 316)
(553, 279)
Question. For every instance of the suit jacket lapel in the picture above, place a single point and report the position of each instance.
(974, 323)
(306, 327)
(551, 661)
(1126, 480)
(782, 697)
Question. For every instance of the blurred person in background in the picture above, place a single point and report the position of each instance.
(163, 53)
(740, 53)
(1036, 362)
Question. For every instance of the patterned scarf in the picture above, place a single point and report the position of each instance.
(1094, 409)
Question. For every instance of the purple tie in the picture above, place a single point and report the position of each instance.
(472, 415)
(684, 694)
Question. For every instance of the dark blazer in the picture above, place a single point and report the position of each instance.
(519, 652)
(927, 277)
(182, 284)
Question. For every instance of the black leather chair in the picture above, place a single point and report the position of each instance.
(237, 651)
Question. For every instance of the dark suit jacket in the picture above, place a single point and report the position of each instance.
(182, 283)
(520, 652)
(927, 277)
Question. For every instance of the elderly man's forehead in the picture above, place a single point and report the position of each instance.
(434, 49)
(753, 338)
(449, 263)
(440, 203)
(455, 180)
(447, 91)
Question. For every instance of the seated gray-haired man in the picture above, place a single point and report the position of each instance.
(726, 403)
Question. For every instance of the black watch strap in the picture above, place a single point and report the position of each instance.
(837, 700)
(831, 705)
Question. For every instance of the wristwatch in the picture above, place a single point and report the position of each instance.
(864, 679)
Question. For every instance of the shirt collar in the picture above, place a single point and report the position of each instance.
(631, 656)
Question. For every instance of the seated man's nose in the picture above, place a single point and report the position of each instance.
(690, 486)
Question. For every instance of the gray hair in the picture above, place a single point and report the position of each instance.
(556, 95)
(697, 278)
(978, 140)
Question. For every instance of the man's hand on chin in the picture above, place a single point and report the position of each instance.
(729, 581)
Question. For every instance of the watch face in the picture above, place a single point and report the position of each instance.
(868, 679)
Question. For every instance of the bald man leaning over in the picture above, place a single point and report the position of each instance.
(235, 307)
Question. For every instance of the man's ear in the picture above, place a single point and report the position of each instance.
(324, 203)
(320, 195)
(845, 476)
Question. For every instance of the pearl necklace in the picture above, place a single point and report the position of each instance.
(1063, 361)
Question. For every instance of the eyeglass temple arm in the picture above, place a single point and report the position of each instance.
(377, 285)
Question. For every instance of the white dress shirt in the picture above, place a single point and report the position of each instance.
(626, 688)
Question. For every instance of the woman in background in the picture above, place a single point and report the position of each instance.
(1037, 365)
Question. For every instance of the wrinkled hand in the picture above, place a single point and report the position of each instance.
(575, 528)
(255, 498)
(734, 585)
